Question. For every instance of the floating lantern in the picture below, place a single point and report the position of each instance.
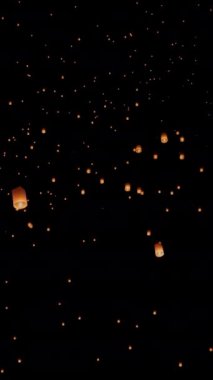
(159, 251)
(182, 156)
(138, 149)
(155, 156)
(164, 138)
(127, 187)
(19, 198)
(140, 191)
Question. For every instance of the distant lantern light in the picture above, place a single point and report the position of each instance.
(102, 181)
(43, 131)
(155, 156)
(138, 149)
(182, 156)
(127, 187)
(182, 139)
(148, 233)
(30, 225)
(159, 251)
(164, 138)
(140, 191)
(19, 198)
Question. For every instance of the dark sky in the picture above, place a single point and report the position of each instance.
(81, 85)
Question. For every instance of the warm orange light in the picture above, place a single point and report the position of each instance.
(19, 198)
(140, 191)
(155, 156)
(127, 187)
(164, 138)
(159, 251)
(138, 149)
(182, 156)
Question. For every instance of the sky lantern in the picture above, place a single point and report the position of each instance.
(159, 251)
(140, 191)
(138, 149)
(19, 198)
(164, 138)
(127, 187)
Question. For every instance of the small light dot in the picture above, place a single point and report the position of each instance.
(69, 280)
(43, 131)
(180, 364)
(130, 348)
(19, 361)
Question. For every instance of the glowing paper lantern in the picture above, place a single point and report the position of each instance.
(127, 187)
(19, 198)
(164, 138)
(159, 251)
(140, 191)
(138, 149)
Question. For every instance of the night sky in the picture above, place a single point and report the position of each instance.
(106, 114)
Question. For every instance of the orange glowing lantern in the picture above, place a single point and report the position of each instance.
(127, 187)
(164, 138)
(159, 251)
(140, 191)
(19, 198)
(138, 149)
